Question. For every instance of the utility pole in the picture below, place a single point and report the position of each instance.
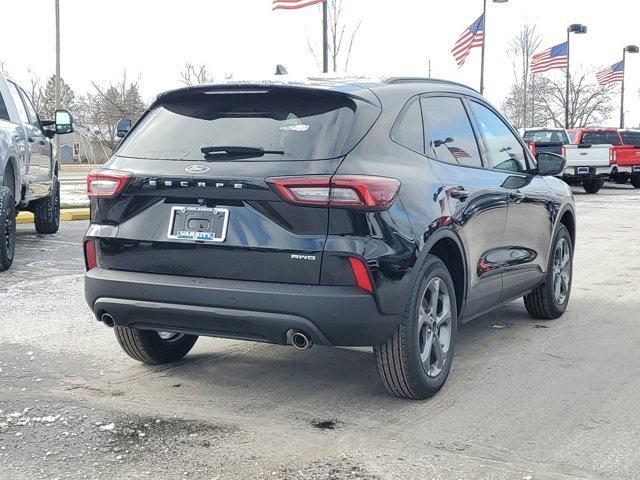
(325, 36)
(57, 80)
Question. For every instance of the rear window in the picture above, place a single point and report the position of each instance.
(600, 138)
(302, 125)
(630, 138)
(546, 136)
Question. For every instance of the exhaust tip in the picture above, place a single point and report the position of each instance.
(301, 341)
(107, 319)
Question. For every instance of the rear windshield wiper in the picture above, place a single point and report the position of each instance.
(213, 153)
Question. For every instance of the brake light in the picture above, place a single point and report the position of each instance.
(564, 151)
(90, 256)
(107, 183)
(346, 191)
(361, 274)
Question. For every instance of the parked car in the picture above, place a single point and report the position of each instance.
(588, 160)
(28, 169)
(546, 139)
(374, 213)
(625, 158)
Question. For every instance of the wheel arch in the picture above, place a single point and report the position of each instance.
(567, 217)
(10, 168)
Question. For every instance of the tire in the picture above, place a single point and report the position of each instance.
(543, 303)
(46, 211)
(7, 228)
(148, 347)
(593, 185)
(400, 359)
(635, 181)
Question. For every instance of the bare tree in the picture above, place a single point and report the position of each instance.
(341, 38)
(520, 104)
(589, 103)
(99, 111)
(192, 75)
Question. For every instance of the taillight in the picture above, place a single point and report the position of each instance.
(564, 151)
(361, 274)
(90, 255)
(347, 191)
(107, 183)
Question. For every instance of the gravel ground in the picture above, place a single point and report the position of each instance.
(525, 399)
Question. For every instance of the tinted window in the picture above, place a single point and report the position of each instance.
(449, 136)
(601, 138)
(505, 149)
(630, 138)
(303, 125)
(4, 114)
(31, 112)
(408, 128)
(17, 100)
(546, 136)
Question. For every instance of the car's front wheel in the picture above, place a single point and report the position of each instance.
(7, 228)
(415, 362)
(154, 348)
(46, 211)
(550, 299)
(593, 185)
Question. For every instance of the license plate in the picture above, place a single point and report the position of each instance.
(636, 168)
(199, 224)
(580, 170)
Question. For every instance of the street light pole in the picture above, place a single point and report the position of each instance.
(57, 79)
(630, 49)
(574, 28)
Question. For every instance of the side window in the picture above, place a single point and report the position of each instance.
(504, 147)
(31, 112)
(449, 136)
(407, 130)
(4, 114)
(17, 100)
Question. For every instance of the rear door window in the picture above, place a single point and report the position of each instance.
(292, 125)
(630, 138)
(448, 132)
(31, 111)
(507, 153)
(600, 138)
(408, 128)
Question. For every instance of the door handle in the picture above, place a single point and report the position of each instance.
(516, 196)
(459, 193)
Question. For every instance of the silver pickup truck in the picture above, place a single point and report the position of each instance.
(28, 167)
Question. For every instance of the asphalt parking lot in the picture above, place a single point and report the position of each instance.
(525, 400)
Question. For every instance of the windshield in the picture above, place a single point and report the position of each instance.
(630, 138)
(546, 136)
(287, 125)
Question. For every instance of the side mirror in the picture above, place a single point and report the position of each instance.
(123, 127)
(550, 163)
(63, 122)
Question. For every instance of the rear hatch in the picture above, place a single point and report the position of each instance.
(197, 201)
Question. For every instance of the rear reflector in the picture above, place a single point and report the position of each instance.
(361, 274)
(346, 191)
(90, 256)
(107, 183)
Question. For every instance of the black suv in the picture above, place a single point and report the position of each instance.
(364, 213)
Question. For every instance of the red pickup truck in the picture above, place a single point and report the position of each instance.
(624, 154)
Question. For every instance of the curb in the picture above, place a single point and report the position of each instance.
(66, 215)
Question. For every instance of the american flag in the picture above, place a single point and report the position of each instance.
(293, 4)
(614, 73)
(554, 57)
(471, 37)
(458, 153)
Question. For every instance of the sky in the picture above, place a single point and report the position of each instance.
(152, 39)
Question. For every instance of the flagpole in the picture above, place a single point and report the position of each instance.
(624, 71)
(325, 37)
(484, 41)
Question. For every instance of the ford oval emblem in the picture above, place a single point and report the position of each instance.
(197, 168)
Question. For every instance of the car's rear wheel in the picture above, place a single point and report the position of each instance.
(635, 181)
(154, 348)
(46, 211)
(416, 361)
(593, 185)
(7, 228)
(550, 299)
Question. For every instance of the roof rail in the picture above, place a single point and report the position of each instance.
(395, 80)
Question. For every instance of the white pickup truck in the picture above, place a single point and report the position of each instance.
(587, 165)
(28, 167)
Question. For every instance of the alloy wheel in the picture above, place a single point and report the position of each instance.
(434, 327)
(561, 271)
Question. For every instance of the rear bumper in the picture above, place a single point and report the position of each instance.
(630, 169)
(586, 172)
(258, 311)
